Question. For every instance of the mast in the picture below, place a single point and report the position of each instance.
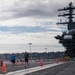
(69, 15)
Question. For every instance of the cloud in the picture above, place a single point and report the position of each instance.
(30, 8)
(22, 29)
(24, 21)
(19, 43)
(39, 26)
(24, 38)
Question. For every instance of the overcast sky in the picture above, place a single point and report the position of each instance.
(30, 21)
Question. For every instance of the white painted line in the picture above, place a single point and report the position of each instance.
(30, 70)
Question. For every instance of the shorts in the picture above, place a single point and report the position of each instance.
(26, 60)
(13, 61)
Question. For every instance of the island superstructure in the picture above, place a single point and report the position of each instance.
(67, 39)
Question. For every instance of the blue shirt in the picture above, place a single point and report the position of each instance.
(13, 57)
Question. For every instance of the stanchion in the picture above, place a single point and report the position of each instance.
(23, 62)
(16, 63)
(41, 63)
(57, 61)
(36, 60)
(3, 67)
